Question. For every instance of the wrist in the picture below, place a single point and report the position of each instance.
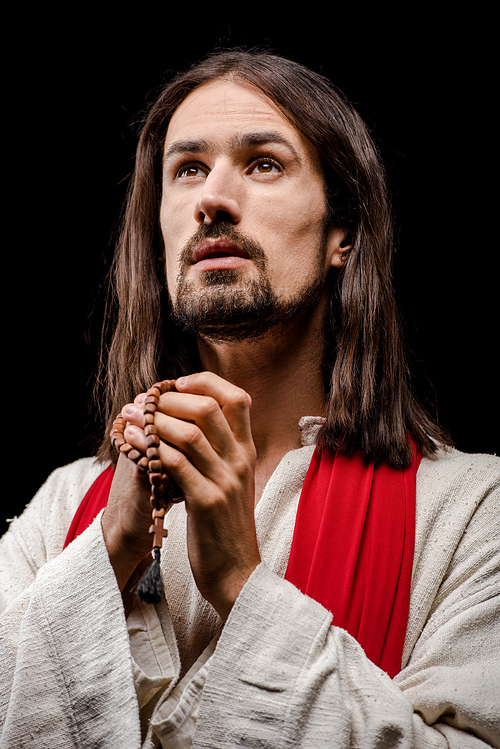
(225, 597)
(124, 558)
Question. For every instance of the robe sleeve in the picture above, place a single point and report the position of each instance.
(283, 675)
(66, 670)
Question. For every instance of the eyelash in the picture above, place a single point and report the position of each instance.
(253, 165)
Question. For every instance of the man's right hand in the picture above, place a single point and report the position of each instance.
(127, 518)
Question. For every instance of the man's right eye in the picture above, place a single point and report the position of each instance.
(190, 170)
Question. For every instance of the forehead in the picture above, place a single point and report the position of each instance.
(223, 108)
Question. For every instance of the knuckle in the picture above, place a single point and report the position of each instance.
(239, 399)
(176, 460)
(208, 406)
(192, 435)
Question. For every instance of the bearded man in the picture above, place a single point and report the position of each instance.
(330, 574)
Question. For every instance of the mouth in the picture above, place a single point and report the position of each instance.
(219, 253)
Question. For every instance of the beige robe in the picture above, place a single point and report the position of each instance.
(75, 673)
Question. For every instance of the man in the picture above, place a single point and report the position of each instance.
(254, 271)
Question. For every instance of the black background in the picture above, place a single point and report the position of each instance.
(426, 87)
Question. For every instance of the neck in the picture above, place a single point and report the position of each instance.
(282, 373)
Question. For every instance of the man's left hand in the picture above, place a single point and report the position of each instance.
(207, 449)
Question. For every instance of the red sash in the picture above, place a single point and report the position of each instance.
(93, 502)
(352, 547)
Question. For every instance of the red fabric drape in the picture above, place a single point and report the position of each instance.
(352, 549)
(93, 502)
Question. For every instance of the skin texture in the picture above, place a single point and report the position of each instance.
(231, 156)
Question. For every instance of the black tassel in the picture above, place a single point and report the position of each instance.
(149, 588)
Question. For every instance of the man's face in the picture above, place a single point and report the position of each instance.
(243, 211)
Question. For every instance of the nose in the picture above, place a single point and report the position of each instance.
(218, 199)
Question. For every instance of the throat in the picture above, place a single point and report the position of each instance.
(269, 459)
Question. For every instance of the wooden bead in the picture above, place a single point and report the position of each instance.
(150, 429)
(155, 479)
(134, 455)
(157, 490)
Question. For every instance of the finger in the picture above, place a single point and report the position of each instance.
(135, 436)
(179, 468)
(134, 413)
(192, 441)
(234, 401)
(185, 435)
(194, 412)
(193, 424)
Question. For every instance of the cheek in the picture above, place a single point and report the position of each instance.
(176, 232)
(171, 254)
(299, 215)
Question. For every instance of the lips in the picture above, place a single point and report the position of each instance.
(217, 248)
(220, 253)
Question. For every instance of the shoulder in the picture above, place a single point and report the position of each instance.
(66, 486)
(458, 499)
(455, 476)
(457, 514)
(46, 519)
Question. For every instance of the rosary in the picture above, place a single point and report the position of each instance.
(163, 489)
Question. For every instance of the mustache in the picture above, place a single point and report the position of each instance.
(219, 230)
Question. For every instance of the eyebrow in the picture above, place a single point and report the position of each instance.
(238, 142)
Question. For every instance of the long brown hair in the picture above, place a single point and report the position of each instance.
(370, 405)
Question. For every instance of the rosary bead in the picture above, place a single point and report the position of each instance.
(134, 455)
(152, 440)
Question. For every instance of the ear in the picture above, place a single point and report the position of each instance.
(337, 247)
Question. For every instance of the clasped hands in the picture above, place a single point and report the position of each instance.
(207, 449)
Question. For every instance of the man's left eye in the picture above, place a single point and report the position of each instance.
(266, 167)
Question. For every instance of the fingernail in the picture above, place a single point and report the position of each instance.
(129, 409)
(181, 381)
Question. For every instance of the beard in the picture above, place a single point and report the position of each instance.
(226, 306)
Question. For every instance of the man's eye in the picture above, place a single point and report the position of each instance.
(266, 167)
(191, 170)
